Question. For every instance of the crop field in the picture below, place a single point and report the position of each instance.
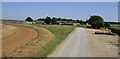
(115, 26)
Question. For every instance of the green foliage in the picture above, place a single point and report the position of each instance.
(54, 20)
(29, 19)
(78, 25)
(118, 45)
(48, 20)
(41, 19)
(115, 30)
(59, 19)
(60, 32)
(81, 22)
(107, 25)
(67, 24)
(96, 22)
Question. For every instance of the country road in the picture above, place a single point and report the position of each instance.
(76, 46)
(84, 43)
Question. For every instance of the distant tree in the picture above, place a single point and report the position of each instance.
(63, 19)
(29, 19)
(70, 19)
(54, 20)
(41, 19)
(81, 22)
(96, 22)
(107, 25)
(48, 20)
(77, 20)
(59, 19)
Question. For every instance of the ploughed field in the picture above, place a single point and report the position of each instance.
(34, 40)
(8, 30)
(21, 37)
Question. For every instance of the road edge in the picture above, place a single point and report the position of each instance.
(57, 49)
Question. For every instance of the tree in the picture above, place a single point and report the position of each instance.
(41, 19)
(48, 20)
(107, 25)
(59, 19)
(29, 19)
(70, 19)
(96, 22)
(54, 20)
(81, 22)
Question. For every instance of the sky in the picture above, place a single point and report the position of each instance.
(60, 0)
(71, 10)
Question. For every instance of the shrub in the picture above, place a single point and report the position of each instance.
(67, 24)
(78, 25)
(115, 30)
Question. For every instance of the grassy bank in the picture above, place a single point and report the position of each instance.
(115, 28)
(60, 32)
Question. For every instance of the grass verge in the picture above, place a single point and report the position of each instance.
(60, 32)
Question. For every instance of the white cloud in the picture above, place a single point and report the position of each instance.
(60, 0)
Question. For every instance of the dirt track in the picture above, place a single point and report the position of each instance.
(23, 36)
(84, 43)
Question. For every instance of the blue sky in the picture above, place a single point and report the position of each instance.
(74, 10)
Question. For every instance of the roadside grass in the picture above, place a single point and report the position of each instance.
(60, 32)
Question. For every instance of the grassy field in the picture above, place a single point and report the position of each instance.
(115, 26)
(60, 32)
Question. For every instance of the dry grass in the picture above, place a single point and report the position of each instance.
(8, 30)
(115, 26)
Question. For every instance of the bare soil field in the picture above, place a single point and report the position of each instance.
(8, 30)
(100, 46)
(23, 36)
(35, 46)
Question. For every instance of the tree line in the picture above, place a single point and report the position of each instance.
(95, 21)
(49, 20)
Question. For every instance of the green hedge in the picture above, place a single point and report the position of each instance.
(115, 30)
(67, 24)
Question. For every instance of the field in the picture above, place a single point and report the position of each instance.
(44, 41)
(115, 26)
(8, 30)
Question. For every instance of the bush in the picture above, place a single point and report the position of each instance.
(67, 24)
(107, 25)
(78, 25)
(115, 30)
(56, 23)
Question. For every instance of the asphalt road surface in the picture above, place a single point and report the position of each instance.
(76, 46)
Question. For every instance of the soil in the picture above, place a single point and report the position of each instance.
(22, 36)
(8, 30)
